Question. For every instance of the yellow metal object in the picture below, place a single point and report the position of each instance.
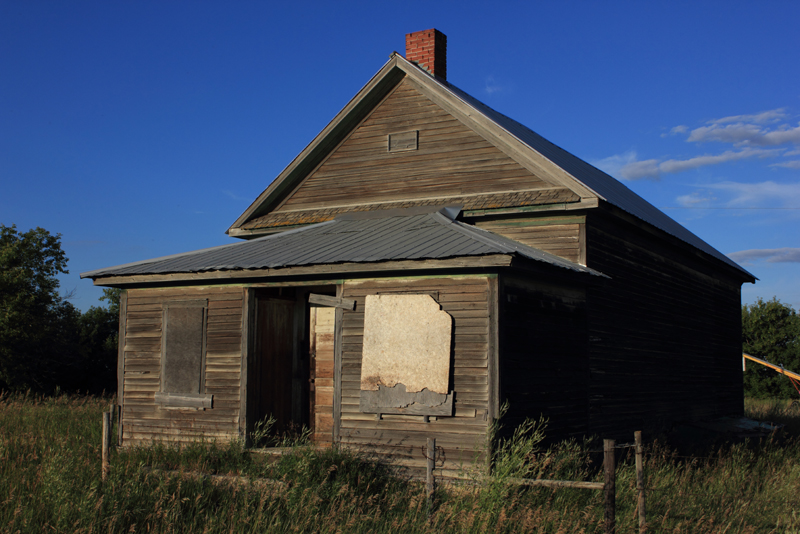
(777, 368)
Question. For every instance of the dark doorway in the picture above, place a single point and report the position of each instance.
(291, 378)
(276, 351)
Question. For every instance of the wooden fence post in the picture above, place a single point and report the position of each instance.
(106, 445)
(429, 486)
(609, 486)
(640, 481)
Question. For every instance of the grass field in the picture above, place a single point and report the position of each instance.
(50, 482)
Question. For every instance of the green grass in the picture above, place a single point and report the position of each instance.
(50, 482)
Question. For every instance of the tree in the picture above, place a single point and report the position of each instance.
(45, 343)
(99, 333)
(770, 331)
(36, 324)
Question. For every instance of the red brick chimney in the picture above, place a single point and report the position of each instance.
(428, 49)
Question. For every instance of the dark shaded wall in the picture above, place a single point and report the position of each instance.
(543, 354)
(664, 331)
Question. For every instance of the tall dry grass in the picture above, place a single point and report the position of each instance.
(50, 482)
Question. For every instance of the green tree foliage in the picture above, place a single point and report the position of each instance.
(99, 334)
(45, 343)
(35, 322)
(770, 331)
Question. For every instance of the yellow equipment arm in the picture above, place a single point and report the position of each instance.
(777, 368)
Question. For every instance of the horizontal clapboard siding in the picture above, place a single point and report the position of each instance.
(400, 438)
(665, 332)
(143, 421)
(560, 236)
(451, 160)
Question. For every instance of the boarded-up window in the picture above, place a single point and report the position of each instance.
(405, 362)
(183, 355)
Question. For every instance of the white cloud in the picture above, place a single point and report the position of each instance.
(794, 164)
(746, 134)
(759, 194)
(234, 196)
(748, 130)
(764, 117)
(653, 169)
(640, 169)
(491, 86)
(770, 255)
(613, 164)
(759, 135)
(695, 200)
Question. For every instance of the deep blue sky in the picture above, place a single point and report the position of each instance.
(139, 129)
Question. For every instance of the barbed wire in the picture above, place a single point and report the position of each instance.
(439, 456)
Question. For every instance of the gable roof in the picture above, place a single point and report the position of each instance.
(513, 138)
(413, 234)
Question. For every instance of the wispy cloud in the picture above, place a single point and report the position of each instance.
(760, 135)
(794, 164)
(696, 200)
(491, 86)
(744, 134)
(234, 196)
(614, 164)
(764, 117)
(770, 255)
(653, 168)
(759, 194)
(767, 128)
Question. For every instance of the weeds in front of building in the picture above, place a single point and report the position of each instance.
(50, 480)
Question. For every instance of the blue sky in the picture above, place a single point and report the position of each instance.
(140, 129)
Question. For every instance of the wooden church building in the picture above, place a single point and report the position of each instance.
(423, 261)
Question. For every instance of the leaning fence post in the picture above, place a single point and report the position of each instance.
(106, 445)
(609, 485)
(429, 486)
(637, 436)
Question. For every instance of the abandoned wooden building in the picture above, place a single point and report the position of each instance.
(423, 261)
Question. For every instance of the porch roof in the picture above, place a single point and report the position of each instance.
(362, 237)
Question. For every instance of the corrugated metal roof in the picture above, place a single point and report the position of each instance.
(417, 233)
(606, 187)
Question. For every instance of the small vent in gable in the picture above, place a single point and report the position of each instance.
(403, 141)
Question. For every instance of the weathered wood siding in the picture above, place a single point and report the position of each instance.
(400, 437)
(665, 331)
(322, 364)
(451, 160)
(143, 421)
(561, 236)
(544, 365)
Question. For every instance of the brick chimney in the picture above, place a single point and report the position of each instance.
(428, 49)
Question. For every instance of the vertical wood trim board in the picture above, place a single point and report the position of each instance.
(494, 350)
(248, 335)
(337, 368)
(123, 304)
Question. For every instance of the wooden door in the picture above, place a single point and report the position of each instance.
(275, 354)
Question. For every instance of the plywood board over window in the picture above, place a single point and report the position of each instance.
(183, 356)
(405, 366)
